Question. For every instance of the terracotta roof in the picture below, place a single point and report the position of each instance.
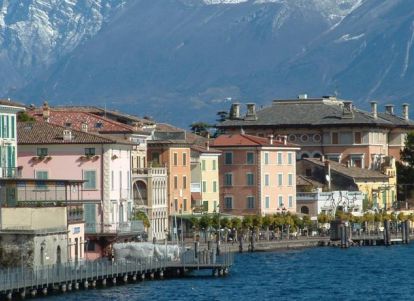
(6, 102)
(45, 133)
(95, 123)
(204, 150)
(307, 181)
(351, 172)
(246, 140)
(167, 130)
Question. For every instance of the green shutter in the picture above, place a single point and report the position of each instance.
(12, 126)
(90, 179)
(90, 218)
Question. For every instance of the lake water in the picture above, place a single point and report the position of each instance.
(359, 273)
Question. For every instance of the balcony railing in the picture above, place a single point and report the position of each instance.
(306, 196)
(195, 187)
(10, 172)
(151, 171)
(132, 227)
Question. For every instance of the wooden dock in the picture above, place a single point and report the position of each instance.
(22, 282)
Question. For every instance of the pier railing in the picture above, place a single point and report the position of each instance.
(18, 279)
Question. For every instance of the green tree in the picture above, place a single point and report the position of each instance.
(142, 216)
(225, 223)
(405, 168)
(323, 218)
(205, 222)
(247, 222)
(267, 222)
(194, 222)
(402, 217)
(257, 221)
(24, 117)
(201, 128)
(236, 223)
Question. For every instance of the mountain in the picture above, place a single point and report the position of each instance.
(182, 60)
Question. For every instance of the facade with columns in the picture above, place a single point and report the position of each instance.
(328, 127)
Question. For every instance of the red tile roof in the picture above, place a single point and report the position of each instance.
(40, 132)
(95, 123)
(246, 140)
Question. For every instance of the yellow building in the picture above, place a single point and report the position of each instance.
(379, 186)
(205, 179)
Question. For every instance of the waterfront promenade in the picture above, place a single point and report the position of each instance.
(22, 282)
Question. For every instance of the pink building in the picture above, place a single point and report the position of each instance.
(49, 151)
(257, 175)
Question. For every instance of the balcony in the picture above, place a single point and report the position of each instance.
(151, 171)
(10, 172)
(195, 187)
(125, 228)
(306, 196)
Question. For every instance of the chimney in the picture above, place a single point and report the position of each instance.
(67, 135)
(405, 111)
(235, 111)
(284, 137)
(328, 173)
(374, 110)
(347, 110)
(84, 127)
(271, 139)
(322, 158)
(389, 109)
(348, 106)
(46, 111)
(251, 111)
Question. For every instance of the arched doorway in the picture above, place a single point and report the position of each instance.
(140, 193)
(304, 210)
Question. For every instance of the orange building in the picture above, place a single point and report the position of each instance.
(257, 175)
(173, 152)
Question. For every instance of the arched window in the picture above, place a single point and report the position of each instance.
(58, 255)
(304, 156)
(304, 210)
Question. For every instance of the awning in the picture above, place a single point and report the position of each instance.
(196, 196)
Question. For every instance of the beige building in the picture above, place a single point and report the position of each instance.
(205, 188)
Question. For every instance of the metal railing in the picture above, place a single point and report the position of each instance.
(20, 278)
(10, 172)
(133, 227)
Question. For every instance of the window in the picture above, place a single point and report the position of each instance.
(204, 186)
(214, 164)
(42, 152)
(267, 202)
(228, 202)
(290, 201)
(280, 179)
(228, 158)
(249, 179)
(335, 138)
(205, 205)
(175, 159)
(98, 125)
(185, 204)
(90, 179)
(357, 138)
(249, 158)
(250, 202)
(68, 124)
(175, 182)
(266, 158)
(112, 180)
(184, 182)
(175, 204)
(228, 179)
(290, 158)
(267, 180)
(203, 164)
(184, 159)
(290, 179)
(279, 158)
(90, 151)
(214, 186)
(155, 158)
(41, 175)
(215, 206)
(280, 201)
